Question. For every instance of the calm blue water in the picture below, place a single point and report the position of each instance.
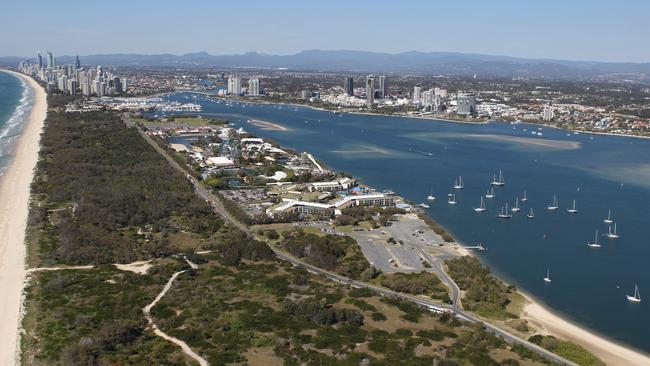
(15, 101)
(416, 157)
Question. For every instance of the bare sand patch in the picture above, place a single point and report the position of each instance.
(140, 267)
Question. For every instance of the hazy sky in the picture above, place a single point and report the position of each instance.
(569, 29)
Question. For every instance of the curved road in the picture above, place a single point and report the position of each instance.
(437, 264)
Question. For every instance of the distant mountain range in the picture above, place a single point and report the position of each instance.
(431, 63)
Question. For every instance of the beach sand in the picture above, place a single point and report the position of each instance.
(610, 352)
(14, 199)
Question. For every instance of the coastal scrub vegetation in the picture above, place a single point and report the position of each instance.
(102, 195)
(93, 317)
(423, 283)
(484, 293)
(265, 312)
(340, 254)
(374, 215)
(566, 349)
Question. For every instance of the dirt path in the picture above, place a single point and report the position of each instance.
(147, 314)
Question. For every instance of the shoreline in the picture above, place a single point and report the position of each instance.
(541, 317)
(431, 118)
(15, 188)
(609, 351)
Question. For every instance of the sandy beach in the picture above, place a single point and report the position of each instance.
(14, 199)
(608, 351)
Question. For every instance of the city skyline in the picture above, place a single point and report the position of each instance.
(552, 30)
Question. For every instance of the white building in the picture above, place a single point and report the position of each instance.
(548, 113)
(332, 186)
(234, 85)
(289, 205)
(219, 161)
(254, 87)
(417, 95)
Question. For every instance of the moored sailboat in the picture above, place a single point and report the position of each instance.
(547, 279)
(531, 214)
(594, 244)
(608, 220)
(490, 193)
(481, 207)
(516, 208)
(504, 214)
(459, 183)
(553, 206)
(573, 209)
(636, 297)
(500, 181)
(431, 197)
(612, 235)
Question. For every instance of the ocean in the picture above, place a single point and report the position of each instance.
(15, 103)
(417, 157)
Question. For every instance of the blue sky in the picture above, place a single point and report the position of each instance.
(570, 29)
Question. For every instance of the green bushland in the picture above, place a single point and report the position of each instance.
(93, 317)
(355, 214)
(98, 187)
(566, 349)
(423, 283)
(223, 311)
(331, 252)
(238, 299)
(484, 293)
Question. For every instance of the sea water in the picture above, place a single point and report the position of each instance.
(15, 102)
(416, 157)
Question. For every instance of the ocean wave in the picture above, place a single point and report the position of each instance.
(9, 129)
(13, 127)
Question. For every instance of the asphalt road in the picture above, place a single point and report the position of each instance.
(434, 306)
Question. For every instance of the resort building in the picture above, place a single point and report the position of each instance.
(342, 184)
(289, 205)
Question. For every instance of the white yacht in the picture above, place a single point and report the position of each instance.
(594, 244)
(431, 197)
(452, 199)
(637, 295)
(490, 193)
(612, 235)
(553, 205)
(500, 181)
(531, 214)
(608, 220)
(504, 214)
(573, 208)
(547, 279)
(459, 183)
(516, 208)
(481, 208)
(424, 205)
(524, 198)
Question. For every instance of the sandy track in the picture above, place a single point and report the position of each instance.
(147, 313)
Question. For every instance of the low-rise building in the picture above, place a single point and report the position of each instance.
(342, 184)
